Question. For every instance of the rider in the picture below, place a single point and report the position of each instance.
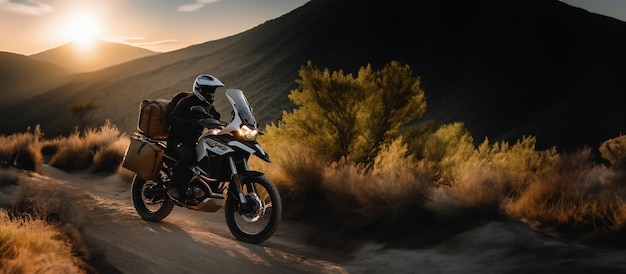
(185, 130)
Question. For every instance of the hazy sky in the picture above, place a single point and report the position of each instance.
(31, 26)
(612, 8)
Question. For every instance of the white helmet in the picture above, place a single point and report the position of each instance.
(204, 86)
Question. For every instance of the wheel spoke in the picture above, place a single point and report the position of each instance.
(261, 222)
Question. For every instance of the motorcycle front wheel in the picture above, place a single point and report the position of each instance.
(149, 208)
(257, 219)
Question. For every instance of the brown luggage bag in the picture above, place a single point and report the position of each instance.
(153, 116)
(144, 158)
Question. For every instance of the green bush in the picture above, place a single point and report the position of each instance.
(346, 118)
(450, 146)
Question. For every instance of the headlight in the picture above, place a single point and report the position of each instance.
(248, 134)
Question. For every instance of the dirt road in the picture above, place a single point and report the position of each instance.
(195, 242)
(185, 242)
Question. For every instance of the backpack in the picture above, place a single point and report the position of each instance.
(153, 114)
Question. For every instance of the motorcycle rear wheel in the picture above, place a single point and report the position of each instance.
(144, 206)
(257, 220)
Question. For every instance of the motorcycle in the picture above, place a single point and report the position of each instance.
(221, 179)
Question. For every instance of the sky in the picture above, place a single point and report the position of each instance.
(32, 26)
(611, 8)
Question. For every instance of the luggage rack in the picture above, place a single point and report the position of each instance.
(145, 138)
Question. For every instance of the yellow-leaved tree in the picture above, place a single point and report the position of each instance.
(345, 118)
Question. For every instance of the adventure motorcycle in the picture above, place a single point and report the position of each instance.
(221, 179)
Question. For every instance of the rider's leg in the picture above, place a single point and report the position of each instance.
(181, 176)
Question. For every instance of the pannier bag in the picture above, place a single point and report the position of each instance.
(144, 158)
(153, 116)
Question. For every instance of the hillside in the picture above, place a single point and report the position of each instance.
(504, 68)
(22, 77)
(101, 54)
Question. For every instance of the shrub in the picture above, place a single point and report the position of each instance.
(477, 194)
(346, 118)
(78, 152)
(575, 196)
(109, 158)
(450, 146)
(71, 153)
(22, 150)
(614, 150)
(301, 184)
(517, 165)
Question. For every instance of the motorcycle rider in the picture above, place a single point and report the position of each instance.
(185, 131)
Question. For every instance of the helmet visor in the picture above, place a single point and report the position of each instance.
(207, 89)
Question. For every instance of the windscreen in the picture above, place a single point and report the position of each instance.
(241, 106)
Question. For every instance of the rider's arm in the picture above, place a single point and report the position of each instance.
(216, 115)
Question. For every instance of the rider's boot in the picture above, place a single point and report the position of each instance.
(178, 188)
(172, 190)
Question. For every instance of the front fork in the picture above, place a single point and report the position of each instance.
(235, 178)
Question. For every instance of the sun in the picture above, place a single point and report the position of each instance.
(83, 29)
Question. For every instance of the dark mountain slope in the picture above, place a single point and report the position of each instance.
(505, 68)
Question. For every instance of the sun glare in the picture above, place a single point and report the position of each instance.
(82, 29)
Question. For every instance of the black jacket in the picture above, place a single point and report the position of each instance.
(184, 125)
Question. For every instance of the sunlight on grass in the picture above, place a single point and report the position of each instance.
(30, 245)
(457, 182)
(448, 183)
(22, 150)
(102, 148)
(576, 196)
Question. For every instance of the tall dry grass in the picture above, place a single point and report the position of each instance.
(299, 178)
(614, 151)
(312, 187)
(31, 245)
(22, 150)
(576, 196)
(102, 149)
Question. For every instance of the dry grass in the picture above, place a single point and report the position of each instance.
(22, 150)
(102, 149)
(402, 196)
(298, 176)
(108, 158)
(30, 242)
(614, 151)
(570, 193)
(31, 245)
(575, 197)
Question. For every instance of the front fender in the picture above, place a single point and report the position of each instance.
(252, 148)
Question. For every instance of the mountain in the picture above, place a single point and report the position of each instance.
(504, 68)
(22, 77)
(100, 54)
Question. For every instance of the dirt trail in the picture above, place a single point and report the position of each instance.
(195, 242)
(185, 242)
